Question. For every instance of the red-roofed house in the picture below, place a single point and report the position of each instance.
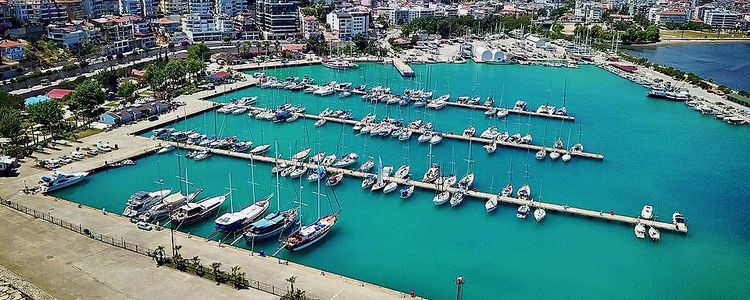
(58, 93)
(219, 76)
(11, 50)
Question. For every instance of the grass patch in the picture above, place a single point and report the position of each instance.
(82, 133)
(692, 34)
(740, 99)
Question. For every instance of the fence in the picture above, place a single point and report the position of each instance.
(79, 228)
(121, 242)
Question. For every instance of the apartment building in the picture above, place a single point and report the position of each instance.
(277, 19)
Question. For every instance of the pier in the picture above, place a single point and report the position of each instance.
(513, 111)
(475, 139)
(403, 69)
(552, 207)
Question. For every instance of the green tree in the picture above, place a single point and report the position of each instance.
(48, 113)
(215, 267)
(127, 89)
(10, 122)
(199, 51)
(10, 100)
(87, 97)
(360, 42)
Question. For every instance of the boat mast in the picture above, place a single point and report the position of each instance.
(231, 194)
(565, 94)
(278, 201)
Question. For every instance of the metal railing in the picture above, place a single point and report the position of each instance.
(120, 242)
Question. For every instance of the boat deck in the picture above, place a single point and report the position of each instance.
(484, 196)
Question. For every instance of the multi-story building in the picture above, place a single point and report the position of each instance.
(172, 7)
(230, 7)
(98, 8)
(244, 26)
(45, 11)
(671, 16)
(721, 19)
(6, 15)
(277, 19)
(199, 7)
(403, 15)
(125, 33)
(311, 27)
(143, 8)
(589, 12)
(349, 23)
(71, 34)
(198, 28)
(699, 12)
(11, 50)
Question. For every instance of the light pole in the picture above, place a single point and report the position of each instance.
(459, 285)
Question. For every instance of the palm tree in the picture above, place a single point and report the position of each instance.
(195, 264)
(217, 273)
(277, 47)
(159, 255)
(291, 281)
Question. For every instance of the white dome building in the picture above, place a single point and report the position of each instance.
(483, 55)
(498, 57)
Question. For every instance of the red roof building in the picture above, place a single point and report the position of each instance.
(58, 93)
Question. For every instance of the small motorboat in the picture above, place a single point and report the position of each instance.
(539, 214)
(368, 182)
(522, 212)
(679, 221)
(260, 150)
(302, 154)
(554, 155)
(165, 149)
(640, 231)
(441, 197)
(507, 190)
(402, 172)
(319, 123)
(457, 197)
(541, 154)
(406, 191)
(470, 131)
(653, 233)
(367, 166)
(490, 148)
(566, 157)
(647, 213)
(491, 204)
(334, 179)
(390, 187)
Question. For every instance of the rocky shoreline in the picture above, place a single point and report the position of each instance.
(13, 287)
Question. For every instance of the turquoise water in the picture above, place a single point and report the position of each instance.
(724, 63)
(657, 152)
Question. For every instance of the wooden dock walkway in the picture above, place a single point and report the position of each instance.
(475, 139)
(484, 196)
(513, 111)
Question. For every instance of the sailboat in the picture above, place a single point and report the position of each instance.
(578, 147)
(192, 212)
(525, 191)
(539, 212)
(273, 224)
(312, 233)
(233, 221)
(406, 191)
(566, 157)
(507, 191)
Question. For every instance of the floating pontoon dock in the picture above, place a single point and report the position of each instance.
(582, 212)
